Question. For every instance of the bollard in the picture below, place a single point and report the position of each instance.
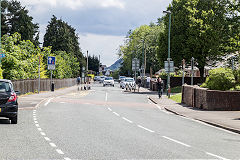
(52, 87)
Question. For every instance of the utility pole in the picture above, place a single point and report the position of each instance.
(87, 66)
(183, 68)
(143, 64)
(39, 65)
(99, 66)
(192, 71)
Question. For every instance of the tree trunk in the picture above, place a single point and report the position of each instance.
(201, 69)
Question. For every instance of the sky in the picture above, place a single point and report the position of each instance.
(101, 25)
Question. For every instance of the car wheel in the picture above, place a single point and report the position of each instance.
(14, 120)
(113, 85)
(103, 85)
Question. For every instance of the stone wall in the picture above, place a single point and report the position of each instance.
(203, 98)
(31, 85)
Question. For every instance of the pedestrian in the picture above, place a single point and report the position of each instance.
(78, 82)
(139, 82)
(148, 82)
(159, 87)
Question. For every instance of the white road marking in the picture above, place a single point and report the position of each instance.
(42, 133)
(34, 111)
(219, 157)
(149, 130)
(40, 129)
(66, 158)
(48, 102)
(62, 102)
(127, 120)
(47, 139)
(116, 114)
(52, 144)
(106, 96)
(59, 151)
(35, 121)
(109, 109)
(34, 103)
(34, 118)
(37, 125)
(176, 141)
(87, 103)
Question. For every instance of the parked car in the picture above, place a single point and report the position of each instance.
(96, 78)
(108, 81)
(121, 78)
(127, 81)
(101, 79)
(8, 101)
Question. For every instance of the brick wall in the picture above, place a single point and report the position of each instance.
(31, 85)
(210, 99)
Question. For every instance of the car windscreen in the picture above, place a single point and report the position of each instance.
(108, 78)
(129, 80)
(5, 87)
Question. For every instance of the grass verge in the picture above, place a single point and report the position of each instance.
(177, 97)
(176, 89)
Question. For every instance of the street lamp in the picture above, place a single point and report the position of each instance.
(168, 59)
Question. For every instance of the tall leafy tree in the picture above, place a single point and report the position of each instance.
(62, 37)
(93, 63)
(15, 18)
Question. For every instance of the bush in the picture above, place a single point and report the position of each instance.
(220, 79)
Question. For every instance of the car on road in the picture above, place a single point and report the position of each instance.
(108, 81)
(121, 78)
(8, 101)
(96, 78)
(101, 79)
(127, 81)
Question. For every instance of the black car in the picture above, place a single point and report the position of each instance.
(8, 101)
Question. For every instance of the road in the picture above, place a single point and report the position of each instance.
(109, 123)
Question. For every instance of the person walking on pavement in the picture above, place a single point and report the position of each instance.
(139, 83)
(159, 87)
(78, 81)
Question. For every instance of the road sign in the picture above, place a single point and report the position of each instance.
(51, 67)
(51, 60)
(2, 55)
(169, 66)
(135, 64)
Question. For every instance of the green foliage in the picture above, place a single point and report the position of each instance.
(115, 74)
(15, 18)
(177, 97)
(220, 79)
(93, 63)
(177, 89)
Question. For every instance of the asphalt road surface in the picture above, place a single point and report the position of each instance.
(109, 123)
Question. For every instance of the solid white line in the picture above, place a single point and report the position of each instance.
(37, 125)
(149, 130)
(40, 129)
(66, 158)
(52, 144)
(48, 102)
(42, 133)
(127, 120)
(47, 139)
(59, 151)
(116, 114)
(106, 96)
(109, 109)
(176, 141)
(215, 156)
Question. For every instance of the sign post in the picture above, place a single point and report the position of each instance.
(51, 66)
(135, 66)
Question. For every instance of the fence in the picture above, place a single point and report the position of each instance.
(203, 98)
(31, 85)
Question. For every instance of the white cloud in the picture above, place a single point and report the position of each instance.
(104, 45)
(113, 3)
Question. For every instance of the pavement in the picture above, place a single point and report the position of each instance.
(229, 120)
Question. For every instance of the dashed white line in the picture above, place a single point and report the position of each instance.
(216, 156)
(149, 130)
(66, 158)
(109, 109)
(62, 102)
(106, 96)
(37, 125)
(42, 133)
(48, 102)
(176, 141)
(40, 129)
(35, 121)
(52, 144)
(127, 120)
(59, 151)
(47, 139)
(116, 114)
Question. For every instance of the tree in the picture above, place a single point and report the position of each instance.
(62, 37)
(15, 18)
(200, 29)
(93, 63)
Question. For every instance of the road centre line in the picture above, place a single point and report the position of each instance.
(37, 125)
(40, 129)
(127, 120)
(106, 96)
(59, 151)
(109, 109)
(35, 121)
(52, 144)
(176, 141)
(48, 102)
(66, 158)
(149, 130)
(47, 139)
(116, 114)
(42, 133)
(216, 156)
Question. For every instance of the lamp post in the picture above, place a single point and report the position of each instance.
(168, 59)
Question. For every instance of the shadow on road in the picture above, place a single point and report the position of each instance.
(4, 121)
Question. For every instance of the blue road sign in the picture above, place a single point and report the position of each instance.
(51, 61)
(2, 55)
